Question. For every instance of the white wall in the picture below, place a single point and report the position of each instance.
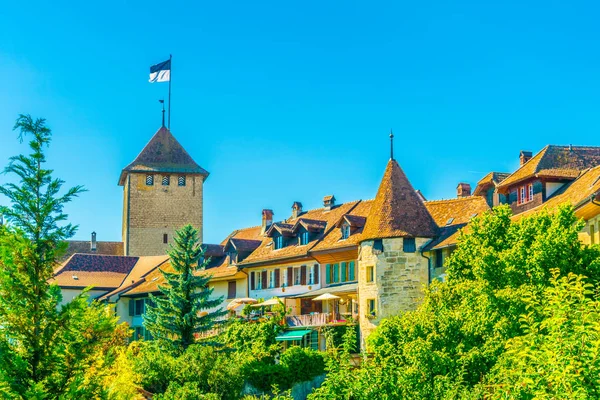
(294, 290)
(70, 294)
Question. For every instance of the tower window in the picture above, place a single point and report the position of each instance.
(181, 180)
(165, 238)
(166, 181)
(149, 180)
(409, 245)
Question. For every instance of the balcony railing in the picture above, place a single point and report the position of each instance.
(316, 319)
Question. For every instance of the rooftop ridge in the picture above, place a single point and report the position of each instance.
(458, 199)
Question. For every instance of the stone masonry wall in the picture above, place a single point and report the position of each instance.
(399, 279)
(157, 210)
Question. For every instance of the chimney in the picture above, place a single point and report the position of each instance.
(93, 243)
(296, 209)
(267, 220)
(463, 190)
(524, 156)
(329, 202)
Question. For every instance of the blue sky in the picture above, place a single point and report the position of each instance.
(288, 100)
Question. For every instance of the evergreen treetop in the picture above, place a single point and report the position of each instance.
(181, 311)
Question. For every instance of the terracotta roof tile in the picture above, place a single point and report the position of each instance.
(491, 179)
(457, 211)
(266, 253)
(333, 240)
(397, 210)
(163, 154)
(245, 244)
(98, 270)
(555, 161)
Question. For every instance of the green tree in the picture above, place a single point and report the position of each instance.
(558, 356)
(176, 317)
(446, 348)
(44, 348)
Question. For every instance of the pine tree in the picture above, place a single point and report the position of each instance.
(44, 349)
(180, 313)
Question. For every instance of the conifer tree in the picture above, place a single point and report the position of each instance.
(44, 349)
(176, 316)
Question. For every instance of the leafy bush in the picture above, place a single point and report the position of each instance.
(302, 364)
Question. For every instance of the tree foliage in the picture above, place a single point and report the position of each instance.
(454, 340)
(45, 349)
(180, 313)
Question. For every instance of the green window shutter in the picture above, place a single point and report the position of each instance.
(328, 273)
(344, 271)
(351, 271)
(336, 272)
(131, 307)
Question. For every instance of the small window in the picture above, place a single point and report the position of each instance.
(450, 221)
(259, 282)
(522, 195)
(370, 273)
(409, 245)
(233, 257)
(165, 238)
(529, 192)
(166, 180)
(439, 259)
(149, 180)
(345, 231)
(297, 276)
(371, 307)
(378, 245)
(139, 307)
(271, 279)
(231, 289)
(278, 242)
(181, 180)
(304, 238)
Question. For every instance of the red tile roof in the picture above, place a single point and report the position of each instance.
(555, 162)
(397, 210)
(83, 270)
(163, 154)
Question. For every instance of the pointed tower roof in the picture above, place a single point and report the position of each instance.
(163, 153)
(397, 210)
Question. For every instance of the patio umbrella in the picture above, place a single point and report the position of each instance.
(271, 302)
(235, 303)
(326, 297)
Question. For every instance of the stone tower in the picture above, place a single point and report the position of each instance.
(392, 270)
(162, 191)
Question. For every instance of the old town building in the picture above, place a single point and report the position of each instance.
(353, 262)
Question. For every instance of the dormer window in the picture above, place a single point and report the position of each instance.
(304, 238)
(278, 240)
(345, 231)
(149, 180)
(181, 180)
(232, 257)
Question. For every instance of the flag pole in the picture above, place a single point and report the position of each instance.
(170, 77)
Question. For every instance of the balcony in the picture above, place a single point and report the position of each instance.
(314, 319)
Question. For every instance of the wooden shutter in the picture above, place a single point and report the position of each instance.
(131, 307)
(252, 281)
(264, 280)
(277, 278)
(231, 290)
(344, 272)
(303, 275)
(351, 273)
(290, 276)
(316, 273)
(328, 273)
(336, 273)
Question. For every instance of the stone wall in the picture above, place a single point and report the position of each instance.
(150, 212)
(399, 279)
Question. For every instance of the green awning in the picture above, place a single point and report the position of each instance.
(293, 335)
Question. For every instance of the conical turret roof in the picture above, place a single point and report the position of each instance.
(397, 210)
(163, 154)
